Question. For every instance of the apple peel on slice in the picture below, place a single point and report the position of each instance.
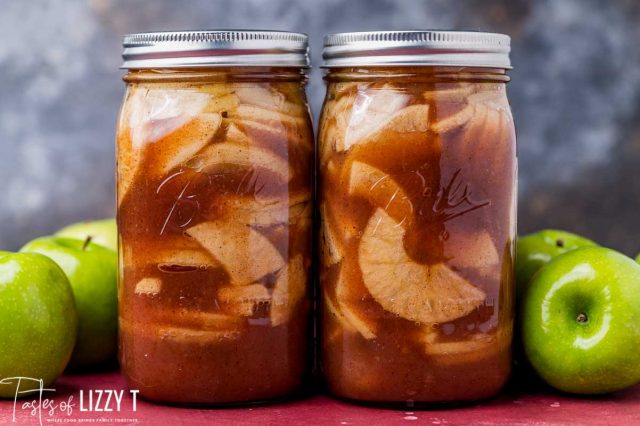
(245, 253)
(427, 294)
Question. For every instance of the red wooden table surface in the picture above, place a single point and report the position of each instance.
(511, 408)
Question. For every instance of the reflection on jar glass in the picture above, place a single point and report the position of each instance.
(214, 179)
(417, 198)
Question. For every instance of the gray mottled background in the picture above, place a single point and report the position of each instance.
(575, 93)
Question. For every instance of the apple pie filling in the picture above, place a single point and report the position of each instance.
(417, 205)
(214, 213)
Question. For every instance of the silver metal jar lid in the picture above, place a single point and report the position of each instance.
(184, 49)
(395, 48)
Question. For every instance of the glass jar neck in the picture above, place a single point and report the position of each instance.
(217, 75)
(413, 74)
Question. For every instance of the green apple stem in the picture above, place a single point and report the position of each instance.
(559, 242)
(86, 242)
(582, 318)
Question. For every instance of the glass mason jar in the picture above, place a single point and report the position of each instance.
(214, 189)
(417, 198)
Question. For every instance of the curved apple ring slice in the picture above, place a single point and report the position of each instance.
(428, 294)
(381, 190)
(222, 156)
(345, 324)
(244, 252)
(349, 316)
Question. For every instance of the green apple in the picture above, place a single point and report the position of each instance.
(580, 321)
(103, 232)
(92, 272)
(38, 321)
(535, 250)
(638, 258)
